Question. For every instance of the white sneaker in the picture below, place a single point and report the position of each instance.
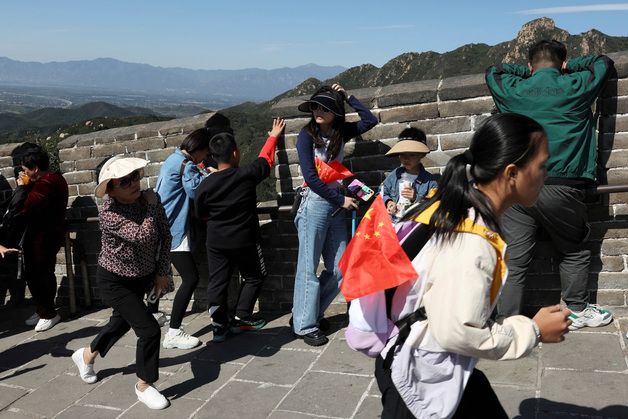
(32, 320)
(45, 324)
(152, 398)
(592, 316)
(161, 318)
(181, 341)
(86, 371)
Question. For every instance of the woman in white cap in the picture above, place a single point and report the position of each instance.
(321, 234)
(135, 254)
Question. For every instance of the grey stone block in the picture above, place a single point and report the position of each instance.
(79, 177)
(277, 366)
(95, 412)
(317, 394)
(74, 153)
(338, 357)
(466, 107)
(384, 131)
(589, 394)
(608, 353)
(409, 113)
(455, 141)
(462, 87)
(108, 150)
(621, 63)
(407, 93)
(234, 401)
(10, 394)
(444, 125)
(48, 400)
(145, 144)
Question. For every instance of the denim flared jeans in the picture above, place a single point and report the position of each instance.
(320, 234)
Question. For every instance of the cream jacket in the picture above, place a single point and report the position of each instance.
(458, 284)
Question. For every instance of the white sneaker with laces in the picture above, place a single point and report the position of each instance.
(86, 371)
(181, 340)
(32, 320)
(592, 316)
(45, 324)
(152, 398)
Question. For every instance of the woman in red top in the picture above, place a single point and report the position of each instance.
(44, 217)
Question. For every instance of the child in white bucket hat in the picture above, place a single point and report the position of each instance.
(134, 256)
(410, 182)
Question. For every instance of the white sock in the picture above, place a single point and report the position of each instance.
(173, 332)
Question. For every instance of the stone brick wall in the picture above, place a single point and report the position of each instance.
(447, 110)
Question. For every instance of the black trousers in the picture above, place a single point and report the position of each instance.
(9, 280)
(221, 263)
(186, 266)
(561, 212)
(126, 297)
(39, 273)
(478, 400)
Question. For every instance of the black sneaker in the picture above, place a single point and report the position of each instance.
(323, 324)
(246, 324)
(315, 338)
(220, 333)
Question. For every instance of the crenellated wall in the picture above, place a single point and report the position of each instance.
(447, 110)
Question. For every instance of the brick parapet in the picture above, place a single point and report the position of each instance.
(449, 110)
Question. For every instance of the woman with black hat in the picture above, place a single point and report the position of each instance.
(319, 232)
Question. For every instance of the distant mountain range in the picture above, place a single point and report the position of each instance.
(467, 59)
(114, 75)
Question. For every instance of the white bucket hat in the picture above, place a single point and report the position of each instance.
(115, 168)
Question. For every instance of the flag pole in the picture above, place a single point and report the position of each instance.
(354, 216)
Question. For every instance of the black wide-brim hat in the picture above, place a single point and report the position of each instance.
(327, 100)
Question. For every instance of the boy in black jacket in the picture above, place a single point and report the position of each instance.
(227, 200)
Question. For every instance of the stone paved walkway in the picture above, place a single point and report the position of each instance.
(268, 374)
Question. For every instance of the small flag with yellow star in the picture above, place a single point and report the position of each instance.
(374, 260)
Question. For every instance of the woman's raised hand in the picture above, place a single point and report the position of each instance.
(337, 87)
(278, 126)
(553, 323)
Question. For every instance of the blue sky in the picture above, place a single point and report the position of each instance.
(269, 34)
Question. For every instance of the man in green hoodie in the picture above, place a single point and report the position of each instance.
(558, 94)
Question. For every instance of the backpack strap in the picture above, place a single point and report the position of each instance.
(404, 325)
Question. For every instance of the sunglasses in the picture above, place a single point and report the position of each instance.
(315, 107)
(129, 179)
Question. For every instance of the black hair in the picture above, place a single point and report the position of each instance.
(335, 135)
(503, 139)
(222, 146)
(18, 153)
(218, 123)
(36, 158)
(196, 140)
(413, 133)
(545, 51)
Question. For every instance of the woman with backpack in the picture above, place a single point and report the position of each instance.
(178, 179)
(320, 233)
(461, 270)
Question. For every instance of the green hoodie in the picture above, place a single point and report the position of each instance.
(561, 103)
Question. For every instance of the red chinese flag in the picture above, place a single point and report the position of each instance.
(332, 171)
(374, 260)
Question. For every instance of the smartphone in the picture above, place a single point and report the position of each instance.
(360, 190)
